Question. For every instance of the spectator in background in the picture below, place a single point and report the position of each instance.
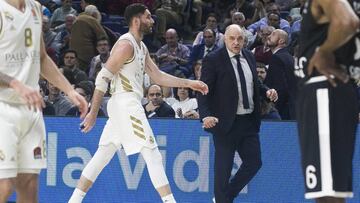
(62, 38)
(271, 8)
(84, 88)
(85, 33)
(186, 106)
(201, 50)
(57, 100)
(169, 13)
(211, 23)
(243, 6)
(267, 108)
(49, 37)
(197, 69)
(274, 20)
(70, 69)
(262, 52)
(280, 75)
(156, 107)
(173, 56)
(59, 14)
(239, 19)
(103, 48)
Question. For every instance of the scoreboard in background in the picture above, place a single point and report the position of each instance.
(188, 158)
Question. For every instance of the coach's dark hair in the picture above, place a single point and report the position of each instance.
(134, 10)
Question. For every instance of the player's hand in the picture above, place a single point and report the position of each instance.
(88, 123)
(79, 101)
(31, 96)
(324, 63)
(199, 86)
(210, 121)
(272, 95)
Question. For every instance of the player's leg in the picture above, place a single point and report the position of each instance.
(7, 186)
(27, 187)
(157, 173)
(101, 158)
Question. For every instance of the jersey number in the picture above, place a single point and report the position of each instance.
(311, 180)
(28, 37)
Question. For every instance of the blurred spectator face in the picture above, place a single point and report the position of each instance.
(69, 60)
(197, 70)
(69, 21)
(146, 22)
(154, 95)
(273, 39)
(265, 32)
(209, 38)
(211, 22)
(53, 90)
(82, 92)
(45, 24)
(103, 47)
(66, 4)
(261, 71)
(82, 4)
(183, 93)
(274, 20)
(171, 38)
(237, 18)
(273, 9)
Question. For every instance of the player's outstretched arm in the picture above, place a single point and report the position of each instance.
(121, 52)
(52, 74)
(31, 96)
(168, 80)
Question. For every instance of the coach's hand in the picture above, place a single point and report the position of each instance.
(210, 121)
(88, 123)
(79, 101)
(324, 63)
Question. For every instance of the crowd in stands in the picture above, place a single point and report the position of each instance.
(79, 35)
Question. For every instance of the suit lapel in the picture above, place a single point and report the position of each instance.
(228, 65)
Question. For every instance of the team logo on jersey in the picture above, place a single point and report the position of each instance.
(2, 156)
(8, 16)
(37, 153)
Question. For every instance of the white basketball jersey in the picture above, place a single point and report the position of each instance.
(20, 35)
(131, 76)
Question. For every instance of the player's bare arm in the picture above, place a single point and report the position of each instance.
(168, 80)
(343, 24)
(31, 96)
(121, 52)
(52, 74)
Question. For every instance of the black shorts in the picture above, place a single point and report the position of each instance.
(327, 120)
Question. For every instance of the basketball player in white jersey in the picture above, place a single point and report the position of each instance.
(127, 125)
(22, 136)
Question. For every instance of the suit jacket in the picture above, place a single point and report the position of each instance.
(222, 100)
(164, 110)
(280, 76)
(198, 53)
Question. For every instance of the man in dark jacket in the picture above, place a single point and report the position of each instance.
(156, 106)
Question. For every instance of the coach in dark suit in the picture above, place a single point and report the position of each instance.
(280, 74)
(231, 112)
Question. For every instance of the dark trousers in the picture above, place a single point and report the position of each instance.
(244, 139)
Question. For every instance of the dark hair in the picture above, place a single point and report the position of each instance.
(70, 51)
(134, 10)
(191, 94)
(87, 86)
(212, 15)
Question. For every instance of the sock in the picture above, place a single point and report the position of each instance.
(77, 196)
(168, 199)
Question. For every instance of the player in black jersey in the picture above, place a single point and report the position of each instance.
(327, 101)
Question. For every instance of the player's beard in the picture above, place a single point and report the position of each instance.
(145, 29)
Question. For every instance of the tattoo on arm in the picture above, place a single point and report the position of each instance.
(5, 80)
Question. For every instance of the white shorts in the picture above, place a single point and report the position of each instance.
(23, 141)
(127, 125)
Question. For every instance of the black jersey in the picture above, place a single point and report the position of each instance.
(348, 56)
(312, 35)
